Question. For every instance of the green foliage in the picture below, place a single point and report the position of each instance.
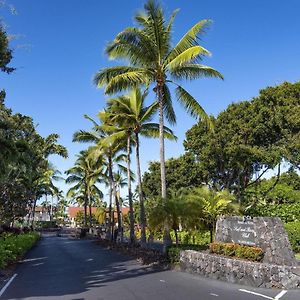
(182, 172)
(236, 250)
(293, 230)
(193, 210)
(250, 137)
(5, 52)
(192, 237)
(46, 224)
(79, 219)
(25, 170)
(286, 212)
(173, 252)
(13, 247)
(271, 193)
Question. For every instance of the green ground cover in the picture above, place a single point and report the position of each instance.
(12, 246)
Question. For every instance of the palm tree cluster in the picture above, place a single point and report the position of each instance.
(191, 210)
(153, 66)
(26, 173)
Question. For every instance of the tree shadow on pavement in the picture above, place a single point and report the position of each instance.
(64, 267)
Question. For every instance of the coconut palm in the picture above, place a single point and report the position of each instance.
(111, 151)
(121, 135)
(152, 60)
(133, 118)
(85, 174)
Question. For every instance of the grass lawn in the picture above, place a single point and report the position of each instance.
(297, 255)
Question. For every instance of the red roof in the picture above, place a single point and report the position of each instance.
(74, 210)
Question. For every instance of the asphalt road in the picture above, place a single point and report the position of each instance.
(62, 268)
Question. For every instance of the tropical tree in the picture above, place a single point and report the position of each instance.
(172, 211)
(131, 118)
(85, 174)
(209, 204)
(112, 153)
(152, 60)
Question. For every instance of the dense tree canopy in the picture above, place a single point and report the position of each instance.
(23, 163)
(250, 138)
(182, 172)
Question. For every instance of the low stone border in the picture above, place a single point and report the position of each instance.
(240, 271)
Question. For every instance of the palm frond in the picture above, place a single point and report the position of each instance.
(194, 71)
(72, 179)
(170, 23)
(188, 40)
(91, 119)
(132, 44)
(127, 80)
(192, 106)
(104, 76)
(151, 130)
(83, 136)
(168, 106)
(187, 56)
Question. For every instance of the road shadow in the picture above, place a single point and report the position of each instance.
(61, 266)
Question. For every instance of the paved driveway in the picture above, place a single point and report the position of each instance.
(62, 268)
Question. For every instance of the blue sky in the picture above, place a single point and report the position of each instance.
(61, 46)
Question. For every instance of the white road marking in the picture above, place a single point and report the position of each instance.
(7, 284)
(162, 280)
(215, 295)
(282, 293)
(257, 294)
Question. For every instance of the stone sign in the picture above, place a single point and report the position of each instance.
(243, 232)
(264, 232)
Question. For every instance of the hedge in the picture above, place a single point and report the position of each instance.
(13, 246)
(293, 230)
(236, 250)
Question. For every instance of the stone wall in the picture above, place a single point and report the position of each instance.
(268, 234)
(240, 271)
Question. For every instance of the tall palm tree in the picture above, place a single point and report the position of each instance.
(133, 118)
(111, 151)
(85, 174)
(120, 134)
(152, 60)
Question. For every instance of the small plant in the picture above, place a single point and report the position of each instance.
(236, 250)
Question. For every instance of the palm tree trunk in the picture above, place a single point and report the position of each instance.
(111, 179)
(176, 236)
(131, 215)
(118, 212)
(90, 206)
(85, 212)
(141, 196)
(167, 237)
(51, 209)
(33, 210)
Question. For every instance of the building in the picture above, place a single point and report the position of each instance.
(72, 212)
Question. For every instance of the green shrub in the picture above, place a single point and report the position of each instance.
(192, 237)
(236, 250)
(46, 224)
(14, 246)
(173, 252)
(286, 212)
(293, 231)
